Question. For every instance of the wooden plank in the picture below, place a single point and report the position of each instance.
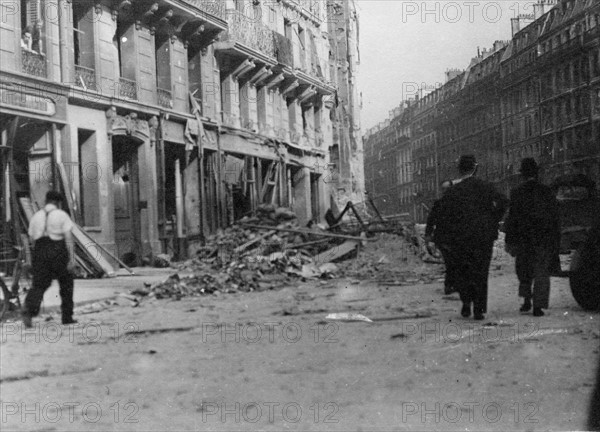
(253, 241)
(336, 252)
(83, 240)
(308, 232)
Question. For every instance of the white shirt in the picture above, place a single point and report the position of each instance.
(55, 222)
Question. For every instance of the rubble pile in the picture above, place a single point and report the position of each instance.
(392, 259)
(245, 259)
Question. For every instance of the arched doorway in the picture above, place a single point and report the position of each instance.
(126, 190)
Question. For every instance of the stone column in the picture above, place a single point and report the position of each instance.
(248, 107)
(295, 118)
(302, 196)
(230, 96)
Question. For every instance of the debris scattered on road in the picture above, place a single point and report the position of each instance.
(347, 316)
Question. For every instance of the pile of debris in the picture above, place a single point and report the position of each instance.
(392, 260)
(264, 252)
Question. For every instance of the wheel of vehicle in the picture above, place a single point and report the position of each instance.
(584, 276)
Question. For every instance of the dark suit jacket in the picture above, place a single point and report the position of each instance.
(471, 211)
(435, 227)
(533, 218)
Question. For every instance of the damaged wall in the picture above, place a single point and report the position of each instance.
(347, 149)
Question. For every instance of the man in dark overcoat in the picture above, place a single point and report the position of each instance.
(533, 237)
(434, 233)
(470, 214)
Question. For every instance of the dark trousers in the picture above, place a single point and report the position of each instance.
(450, 264)
(50, 261)
(533, 271)
(471, 277)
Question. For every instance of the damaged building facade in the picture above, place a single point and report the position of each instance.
(536, 95)
(163, 121)
(347, 158)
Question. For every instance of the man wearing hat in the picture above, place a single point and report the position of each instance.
(533, 237)
(470, 212)
(53, 258)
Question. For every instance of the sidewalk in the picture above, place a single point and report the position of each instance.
(93, 290)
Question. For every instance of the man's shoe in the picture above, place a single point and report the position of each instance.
(478, 315)
(526, 306)
(27, 321)
(538, 312)
(69, 321)
(466, 311)
(448, 289)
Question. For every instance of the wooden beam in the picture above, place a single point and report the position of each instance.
(336, 252)
(307, 232)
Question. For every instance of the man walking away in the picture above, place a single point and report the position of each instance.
(434, 233)
(469, 215)
(533, 236)
(53, 258)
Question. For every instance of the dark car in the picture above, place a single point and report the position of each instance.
(580, 232)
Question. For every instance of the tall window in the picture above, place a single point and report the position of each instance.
(32, 25)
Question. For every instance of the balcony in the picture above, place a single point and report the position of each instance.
(85, 77)
(215, 8)
(250, 33)
(33, 63)
(284, 50)
(127, 88)
(165, 98)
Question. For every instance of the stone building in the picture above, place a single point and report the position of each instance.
(166, 120)
(388, 163)
(536, 95)
(347, 157)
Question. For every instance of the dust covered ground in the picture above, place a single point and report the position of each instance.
(270, 360)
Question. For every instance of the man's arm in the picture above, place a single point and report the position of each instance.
(431, 221)
(500, 204)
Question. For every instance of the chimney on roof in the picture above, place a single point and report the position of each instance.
(520, 22)
(498, 45)
(538, 10)
(515, 25)
(452, 73)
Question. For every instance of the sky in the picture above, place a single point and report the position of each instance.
(407, 44)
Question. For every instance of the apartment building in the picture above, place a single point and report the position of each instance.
(536, 95)
(166, 120)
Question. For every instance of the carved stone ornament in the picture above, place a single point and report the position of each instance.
(128, 125)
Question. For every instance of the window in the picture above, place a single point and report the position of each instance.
(32, 26)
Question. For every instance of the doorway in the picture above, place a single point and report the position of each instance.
(127, 199)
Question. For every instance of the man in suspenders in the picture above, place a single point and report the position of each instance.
(53, 258)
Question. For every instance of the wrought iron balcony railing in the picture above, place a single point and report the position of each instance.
(284, 50)
(33, 63)
(249, 32)
(127, 88)
(215, 8)
(165, 98)
(85, 77)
